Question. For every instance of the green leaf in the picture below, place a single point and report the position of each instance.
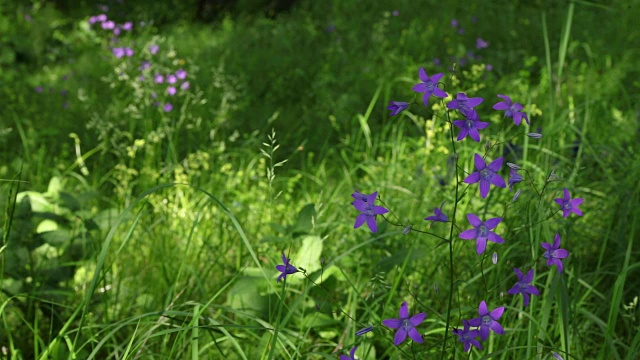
(308, 256)
(304, 223)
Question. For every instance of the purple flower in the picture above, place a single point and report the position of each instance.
(128, 52)
(171, 79)
(396, 12)
(159, 79)
(153, 49)
(184, 85)
(512, 110)
(359, 196)
(488, 320)
(171, 90)
(454, 23)
(405, 325)
(127, 26)
(486, 175)
(93, 20)
(396, 107)
(38, 89)
(286, 268)
(369, 211)
(523, 286)
(101, 18)
(108, 25)
(488, 67)
(514, 178)
(467, 336)
(168, 107)
(181, 74)
(470, 126)
(437, 62)
(482, 232)
(569, 205)
(554, 253)
(438, 215)
(481, 44)
(556, 356)
(118, 52)
(429, 86)
(145, 65)
(116, 30)
(464, 104)
(351, 356)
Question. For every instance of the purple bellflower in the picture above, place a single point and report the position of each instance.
(482, 232)
(470, 126)
(351, 356)
(153, 49)
(396, 107)
(171, 79)
(429, 86)
(467, 336)
(481, 44)
(464, 104)
(286, 268)
(369, 211)
(171, 90)
(486, 175)
(181, 74)
(405, 325)
(514, 178)
(359, 196)
(438, 215)
(184, 85)
(488, 320)
(168, 107)
(523, 286)
(511, 110)
(554, 254)
(159, 79)
(569, 205)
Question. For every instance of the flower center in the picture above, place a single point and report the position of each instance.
(483, 230)
(486, 320)
(406, 324)
(486, 174)
(567, 206)
(469, 124)
(369, 210)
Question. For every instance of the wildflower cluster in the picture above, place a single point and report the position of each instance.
(483, 230)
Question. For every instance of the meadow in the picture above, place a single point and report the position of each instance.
(332, 179)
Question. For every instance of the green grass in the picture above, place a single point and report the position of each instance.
(129, 232)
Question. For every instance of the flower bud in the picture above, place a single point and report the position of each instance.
(534, 135)
(513, 166)
(406, 230)
(516, 195)
(494, 257)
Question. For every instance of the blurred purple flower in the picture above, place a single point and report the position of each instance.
(368, 212)
(454, 22)
(514, 178)
(286, 268)
(159, 79)
(470, 126)
(351, 356)
(145, 65)
(511, 110)
(405, 325)
(171, 90)
(396, 107)
(481, 44)
(482, 232)
(438, 215)
(429, 86)
(181, 74)
(171, 79)
(127, 26)
(464, 104)
(523, 286)
(554, 254)
(108, 25)
(168, 107)
(118, 52)
(467, 336)
(569, 205)
(184, 85)
(396, 12)
(153, 49)
(38, 89)
(486, 175)
(488, 67)
(128, 52)
(116, 30)
(437, 62)
(488, 320)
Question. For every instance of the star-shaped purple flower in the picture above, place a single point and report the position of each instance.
(482, 232)
(438, 215)
(351, 356)
(369, 211)
(486, 175)
(470, 126)
(514, 178)
(554, 254)
(512, 110)
(464, 104)
(405, 325)
(396, 107)
(523, 286)
(467, 336)
(286, 268)
(488, 320)
(569, 205)
(429, 86)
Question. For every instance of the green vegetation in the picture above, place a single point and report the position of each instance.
(131, 230)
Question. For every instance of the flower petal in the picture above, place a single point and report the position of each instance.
(482, 309)
(492, 223)
(423, 75)
(404, 311)
(474, 220)
(484, 188)
(484, 332)
(360, 220)
(497, 313)
(392, 323)
(472, 178)
(493, 237)
(470, 234)
(497, 328)
(371, 223)
(417, 319)
(401, 334)
(498, 181)
(481, 245)
(496, 164)
(478, 161)
(415, 335)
